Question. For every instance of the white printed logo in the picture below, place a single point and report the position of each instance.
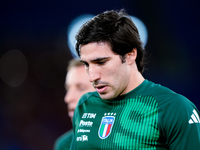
(89, 115)
(85, 123)
(194, 118)
(82, 138)
(83, 131)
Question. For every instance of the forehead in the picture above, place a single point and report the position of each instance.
(77, 75)
(95, 50)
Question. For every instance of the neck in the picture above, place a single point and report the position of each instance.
(135, 80)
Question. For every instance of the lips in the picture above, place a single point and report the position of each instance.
(70, 114)
(70, 111)
(101, 89)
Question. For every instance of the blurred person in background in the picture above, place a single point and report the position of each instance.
(76, 84)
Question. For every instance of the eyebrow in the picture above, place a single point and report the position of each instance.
(95, 60)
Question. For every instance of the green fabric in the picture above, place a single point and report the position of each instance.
(149, 117)
(64, 141)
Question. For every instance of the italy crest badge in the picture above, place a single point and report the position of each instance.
(106, 126)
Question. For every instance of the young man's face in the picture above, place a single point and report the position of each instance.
(107, 73)
(76, 84)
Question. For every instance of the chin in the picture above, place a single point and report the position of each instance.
(106, 96)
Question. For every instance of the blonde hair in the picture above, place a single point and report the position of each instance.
(74, 63)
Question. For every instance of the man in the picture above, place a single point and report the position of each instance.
(127, 111)
(76, 84)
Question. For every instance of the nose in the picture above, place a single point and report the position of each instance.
(69, 97)
(93, 73)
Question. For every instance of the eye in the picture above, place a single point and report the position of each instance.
(85, 64)
(81, 87)
(101, 62)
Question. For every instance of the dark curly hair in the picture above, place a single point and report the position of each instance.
(117, 30)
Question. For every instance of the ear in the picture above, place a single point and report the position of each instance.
(131, 56)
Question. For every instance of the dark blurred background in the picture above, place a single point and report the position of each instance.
(34, 55)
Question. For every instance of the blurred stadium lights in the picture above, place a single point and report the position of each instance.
(72, 30)
(80, 20)
(142, 30)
